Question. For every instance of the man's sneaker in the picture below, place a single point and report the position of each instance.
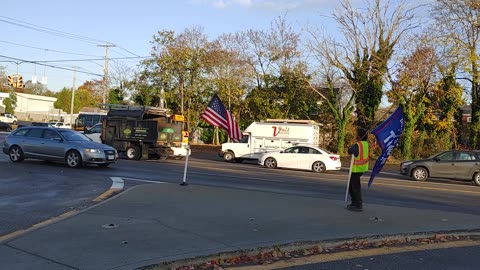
(355, 208)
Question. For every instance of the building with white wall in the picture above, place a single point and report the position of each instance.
(37, 108)
(34, 103)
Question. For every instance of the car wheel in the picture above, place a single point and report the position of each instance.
(270, 163)
(229, 156)
(476, 179)
(318, 166)
(420, 174)
(16, 154)
(133, 152)
(73, 159)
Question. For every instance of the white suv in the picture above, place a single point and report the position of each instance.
(8, 118)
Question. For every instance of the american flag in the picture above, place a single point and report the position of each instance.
(217, 115)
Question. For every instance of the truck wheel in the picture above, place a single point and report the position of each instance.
(229, 156)
(133, 152)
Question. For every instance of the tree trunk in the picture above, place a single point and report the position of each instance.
(407, 139)
(475, 124)
(409, 120)
(181, 88)
(341, 136)
(217, 137)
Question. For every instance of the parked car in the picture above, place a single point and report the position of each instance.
(41, 124)
(5, 127)
(94, 132)
(302, 157)
(60, 125)
(8, 118)
(453, 164)
(63, 145)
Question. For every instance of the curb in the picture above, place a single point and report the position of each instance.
(117, 186)
(266, 258)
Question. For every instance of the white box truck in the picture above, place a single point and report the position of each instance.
(271, 135)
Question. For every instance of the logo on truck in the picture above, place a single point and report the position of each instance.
(279, 131)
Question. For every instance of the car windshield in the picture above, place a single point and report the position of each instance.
(71, 135)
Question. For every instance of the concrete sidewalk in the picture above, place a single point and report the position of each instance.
(163, 222)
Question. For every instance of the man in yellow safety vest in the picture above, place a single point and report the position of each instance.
(360, 165)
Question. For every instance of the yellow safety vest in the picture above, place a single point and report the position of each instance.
(360, 163)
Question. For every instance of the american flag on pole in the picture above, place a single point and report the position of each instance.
(217, 115)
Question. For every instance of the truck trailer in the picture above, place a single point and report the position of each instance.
(144, 132)
(271, 135)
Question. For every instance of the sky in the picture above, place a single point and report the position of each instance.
(130, 25)
(26, 27)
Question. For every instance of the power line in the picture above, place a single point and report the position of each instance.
(44, 49)
(128, 51)
(51, 31)
(86, 59)
(57, 67)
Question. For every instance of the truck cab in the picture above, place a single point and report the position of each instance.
(142, 132)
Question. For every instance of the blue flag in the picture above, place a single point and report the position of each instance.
(388, 135)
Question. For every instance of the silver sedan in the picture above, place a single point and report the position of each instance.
(63, 145)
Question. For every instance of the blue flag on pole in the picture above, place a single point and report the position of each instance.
(388, 135)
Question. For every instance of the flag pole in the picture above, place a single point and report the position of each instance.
(349, 176)
(184, 181)
(190, 136)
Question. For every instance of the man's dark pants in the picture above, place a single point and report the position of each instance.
(355, 189)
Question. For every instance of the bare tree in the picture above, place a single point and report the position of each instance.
(359, 58)
(120, 75)
(367, 45)
(333, 90)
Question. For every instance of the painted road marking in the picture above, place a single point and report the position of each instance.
(117, 186)
(142, 180)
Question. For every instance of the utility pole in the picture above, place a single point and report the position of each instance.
(73, 95)
(105, 72)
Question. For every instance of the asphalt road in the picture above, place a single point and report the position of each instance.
(436, 259)
(34, 191)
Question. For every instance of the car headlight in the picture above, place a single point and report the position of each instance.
(92, 150)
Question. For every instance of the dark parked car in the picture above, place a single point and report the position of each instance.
(63, 145)
(453, 164)
(40, 124)
(5, 127)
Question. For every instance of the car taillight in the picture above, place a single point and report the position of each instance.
(333, 158)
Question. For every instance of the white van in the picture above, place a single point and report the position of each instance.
(271, 135)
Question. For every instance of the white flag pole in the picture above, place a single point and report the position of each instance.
(184, 181)
(349, 176)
